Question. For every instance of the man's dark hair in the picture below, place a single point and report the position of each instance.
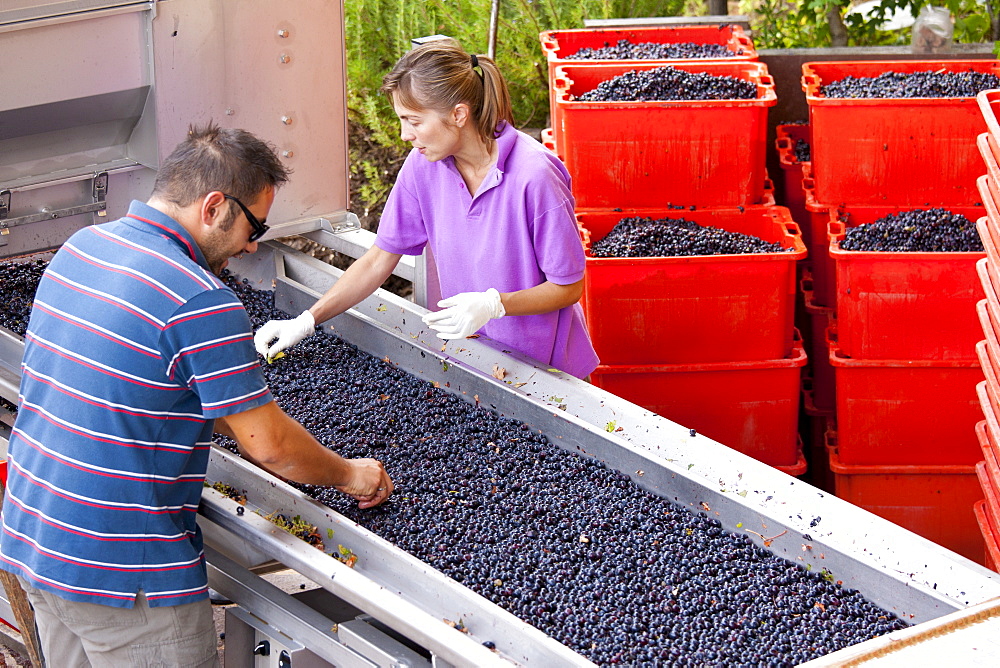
(212, 158)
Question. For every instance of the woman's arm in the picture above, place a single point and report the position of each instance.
(359, 280)
(542, 298)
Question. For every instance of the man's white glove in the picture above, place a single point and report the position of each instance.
(287, 333)
(465, 313)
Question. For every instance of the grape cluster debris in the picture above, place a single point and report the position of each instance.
(637, 236)
(669, 83)
(912, 85)
(578, 550)
(627, 50)
(915, 231)
(802, 150)
(20, 282)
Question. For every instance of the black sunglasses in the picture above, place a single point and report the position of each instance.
(259, 228)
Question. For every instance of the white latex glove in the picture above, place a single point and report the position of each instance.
(287, 333)
(465, 313)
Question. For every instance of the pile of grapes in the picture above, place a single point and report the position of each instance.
(626, 50)
(912, 85)
(578, 550)
(676, 237)
(19, 281)
(802, 150)
(915, 231)
(669, 83)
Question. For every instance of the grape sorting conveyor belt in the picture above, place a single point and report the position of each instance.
(894, 568)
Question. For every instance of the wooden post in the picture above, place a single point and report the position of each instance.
(23, 614)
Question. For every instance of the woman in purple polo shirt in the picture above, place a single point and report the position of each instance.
(493, 204)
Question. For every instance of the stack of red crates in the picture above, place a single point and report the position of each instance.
(706, 341)
(901, 339)
(987, 510)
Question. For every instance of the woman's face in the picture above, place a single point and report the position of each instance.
(434, 134)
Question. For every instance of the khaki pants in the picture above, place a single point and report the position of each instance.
(75, 634)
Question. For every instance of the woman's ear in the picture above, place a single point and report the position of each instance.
(460, 114)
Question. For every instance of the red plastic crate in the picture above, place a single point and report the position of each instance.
(799, 468)
(817, 424)
(989, 107)
(557, 45)
(906, 412)
(751, 407)
(818, 216)
(988, 363)
(990, 206)
(988, 310)
(989, 192)
(992, 264)
(992, 343)
(896, 151)
(992, 497)
(549, 141)
(650, 154)
(822, 318)
(991, 468)
(918, 306)
(935, 502)
(988, 150)
(792, 169)
(705, 308)
(991, 538)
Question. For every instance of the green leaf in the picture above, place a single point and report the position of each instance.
(610, 426)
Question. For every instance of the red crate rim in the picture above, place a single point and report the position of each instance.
(986, 320)
(986, 100)
(786, 135)
(549, 39)
(839, 359)
(796, 358)
(800, 466)
(836, 230)
(992, 425)
(791, 235)
(748, 70)
(986, 186)
(811, 79)
(991, 536)
(990, 456)
(888, 469)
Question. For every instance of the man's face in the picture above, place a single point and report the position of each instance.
(230, 236)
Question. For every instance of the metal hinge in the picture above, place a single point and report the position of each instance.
(99, 206)
(4, 210)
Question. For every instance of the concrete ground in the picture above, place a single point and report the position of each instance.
(14, 655)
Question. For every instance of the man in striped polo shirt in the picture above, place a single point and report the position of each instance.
(135, 353)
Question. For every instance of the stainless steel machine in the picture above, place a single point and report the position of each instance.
(96, 92)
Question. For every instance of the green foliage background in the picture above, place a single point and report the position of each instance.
(379, 31)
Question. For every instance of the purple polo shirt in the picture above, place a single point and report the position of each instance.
(517, 232)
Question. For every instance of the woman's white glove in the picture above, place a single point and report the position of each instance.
(287, 333)
(465, 313)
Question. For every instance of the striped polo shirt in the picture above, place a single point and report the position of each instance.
(132, 349)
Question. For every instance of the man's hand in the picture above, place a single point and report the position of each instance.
(465, 313)
(287, 333)
(369, 483)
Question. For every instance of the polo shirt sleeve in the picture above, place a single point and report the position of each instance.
(401, 228)
(207, 346)
(556, 238)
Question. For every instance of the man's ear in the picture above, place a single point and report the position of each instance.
(214, 208)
